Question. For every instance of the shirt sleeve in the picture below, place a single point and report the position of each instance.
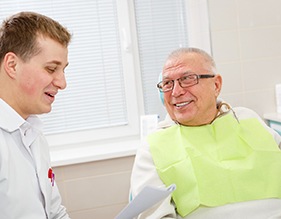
(144, 173)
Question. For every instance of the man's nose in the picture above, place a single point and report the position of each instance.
(60, 81)
(177, 88)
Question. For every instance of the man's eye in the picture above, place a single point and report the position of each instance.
(51, 70)
(185, 78)
(167, 83)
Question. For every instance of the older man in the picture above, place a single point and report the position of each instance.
(225, 162)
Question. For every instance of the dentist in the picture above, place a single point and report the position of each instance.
(33, 57)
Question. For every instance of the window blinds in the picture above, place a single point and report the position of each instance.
(160, 30)
(95, 96)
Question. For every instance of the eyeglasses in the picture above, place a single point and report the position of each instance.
(184, 81)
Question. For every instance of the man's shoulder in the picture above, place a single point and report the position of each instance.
(244, 113)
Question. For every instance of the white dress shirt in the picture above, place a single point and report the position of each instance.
(26, 191)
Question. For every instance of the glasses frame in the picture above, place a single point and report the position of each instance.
(198, 76)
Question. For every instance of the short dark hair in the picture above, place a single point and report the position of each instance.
(18, 34)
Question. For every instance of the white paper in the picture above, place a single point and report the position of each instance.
(148, 197)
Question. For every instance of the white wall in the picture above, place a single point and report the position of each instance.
(246, 44)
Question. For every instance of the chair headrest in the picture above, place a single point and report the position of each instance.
(161, 94)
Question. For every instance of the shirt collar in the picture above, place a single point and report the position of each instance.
(12, 121)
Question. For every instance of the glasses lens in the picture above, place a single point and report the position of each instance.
(188, 80)
(167, 85)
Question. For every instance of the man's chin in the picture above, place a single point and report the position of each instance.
(183, 120)
(46, 110)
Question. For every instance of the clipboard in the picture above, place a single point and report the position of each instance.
(148, 197)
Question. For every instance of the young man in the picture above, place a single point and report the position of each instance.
(225, 162)
(33, 57)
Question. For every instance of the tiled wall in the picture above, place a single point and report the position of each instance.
(246, 44)
(95, 190)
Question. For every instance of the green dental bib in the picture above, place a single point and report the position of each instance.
(213, 165)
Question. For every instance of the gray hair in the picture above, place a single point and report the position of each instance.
(210, 63)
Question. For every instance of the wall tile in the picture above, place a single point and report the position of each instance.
(262, 74)
(59, 173)
(225, 45)
(261, 101)
(260, 43)
(254, 45)
(257, 13)
(223, 14)
(95, 192)
(231, 77)
(234, 99)
(97, 189)
(63, 194)
(98, 168)
(108, 212)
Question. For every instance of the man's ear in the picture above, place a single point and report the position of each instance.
(10, 61)
(218, 84)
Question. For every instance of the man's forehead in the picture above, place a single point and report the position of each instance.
(182, 66)
(184, 60)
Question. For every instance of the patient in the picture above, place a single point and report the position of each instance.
(225, 162)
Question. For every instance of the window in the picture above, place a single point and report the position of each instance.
(160, 29)
(116, 54)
